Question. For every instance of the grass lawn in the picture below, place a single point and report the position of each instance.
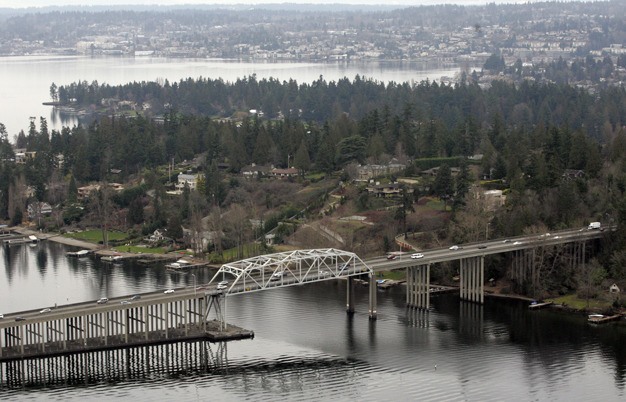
(397, 275)
(436, 204)
(95, 235)
(574, 301)
(139, 249)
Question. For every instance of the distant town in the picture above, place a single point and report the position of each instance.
(532, 35)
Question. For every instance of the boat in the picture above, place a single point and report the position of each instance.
(112, 258)
(595, 316)
(33, 238)
(78, 254)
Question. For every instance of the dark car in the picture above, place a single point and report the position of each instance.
(482, 247)
(20, 319)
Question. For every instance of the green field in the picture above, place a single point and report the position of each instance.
(95, 236)
(577, 303)
(140, 249)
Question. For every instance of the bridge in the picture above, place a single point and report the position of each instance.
(156, 318)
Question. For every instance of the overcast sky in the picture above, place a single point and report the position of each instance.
(40, 3)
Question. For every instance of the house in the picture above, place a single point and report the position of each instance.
(283, 173)
(493, 199)
(22, 156)
(38, 209)
(188, 180)
(85, 191)
(614, 288)
(454, 171)
(572, 174)
(157, 236)
(200, 240)
(385, 190)
(253, 171)
(366, 172)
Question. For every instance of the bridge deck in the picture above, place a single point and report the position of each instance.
(211, 333)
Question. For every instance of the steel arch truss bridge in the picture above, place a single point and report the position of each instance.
(288, 268)
(291, 268)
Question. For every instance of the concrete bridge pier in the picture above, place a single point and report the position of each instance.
(372, 296)
(472, 279)
(373, 301)
(418, 286)
(350, 296)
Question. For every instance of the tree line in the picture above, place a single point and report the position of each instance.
(525, 104)
(528, 136)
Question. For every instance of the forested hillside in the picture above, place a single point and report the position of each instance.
(529, 137)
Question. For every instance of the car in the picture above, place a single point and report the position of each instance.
(276, 275)
(135, 297)
(169, 291)
(1, 316)
(517, 243)
(102, 300)
(482, 246)
(45, 310)
(455, 247)
(124, 302)
(221, 286)
(20, 319)
(557, 237)
(506, 241)
(417, 256)
(222, 283)
(392, 257)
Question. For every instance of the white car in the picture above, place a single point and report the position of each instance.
(276, 276)
(1, 316)
(517, 243)
(102, 300)
(168, 291)
(221, 286)
(417, 256)
(455, 247)
(222, 283)
(45, 310)
(125, 302)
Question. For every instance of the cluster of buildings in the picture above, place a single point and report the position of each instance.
(542, 32)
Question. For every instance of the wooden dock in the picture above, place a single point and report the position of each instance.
(19, 239)
(537, 306)
(601, 319)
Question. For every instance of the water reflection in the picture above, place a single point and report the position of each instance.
(307, 348)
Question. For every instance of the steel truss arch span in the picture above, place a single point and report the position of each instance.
(289, 268)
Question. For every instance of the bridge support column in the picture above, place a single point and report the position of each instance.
(472, 279)
(350, 296)
(418, 286)
(166, 315)
(373, 301)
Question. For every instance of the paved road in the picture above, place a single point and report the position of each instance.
(377, 264)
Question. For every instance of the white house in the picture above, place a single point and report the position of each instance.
(189, 180)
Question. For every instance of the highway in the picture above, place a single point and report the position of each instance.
(381, 263)
(496, 246)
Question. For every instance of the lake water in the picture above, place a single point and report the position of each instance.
(306, 348)
(26, 80)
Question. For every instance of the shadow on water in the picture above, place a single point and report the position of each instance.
(158, 362)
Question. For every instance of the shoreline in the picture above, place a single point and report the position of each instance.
(56, 237)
